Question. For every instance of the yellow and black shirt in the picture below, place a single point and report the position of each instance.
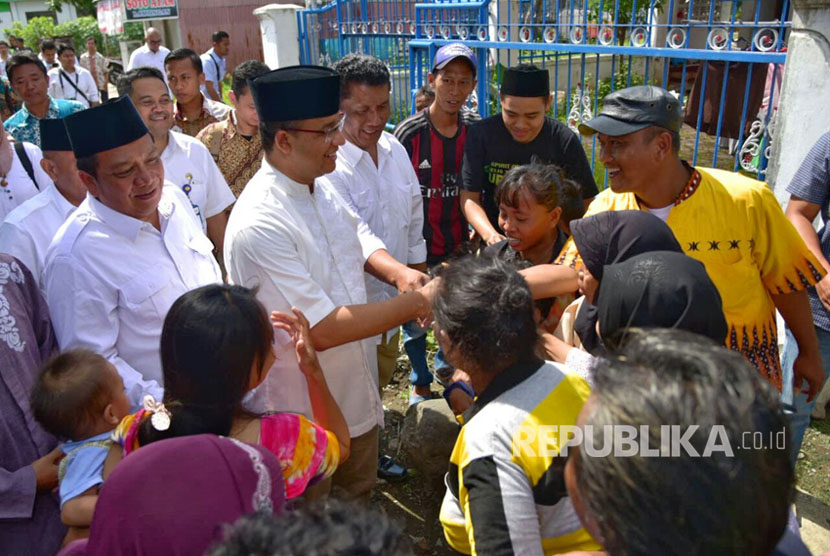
(506, 485)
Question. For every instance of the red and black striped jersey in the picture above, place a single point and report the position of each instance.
(437, 161)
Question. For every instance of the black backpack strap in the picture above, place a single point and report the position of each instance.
(80, 92)
(26, 162)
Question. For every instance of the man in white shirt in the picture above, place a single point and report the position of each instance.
(71, 82)
(151, 53)
(188, 164)
(193, 111)
(214, 65)
(48, 54)
(127, 253)
(28, 230)
(375, 177)
(295, 238)
(4, 57)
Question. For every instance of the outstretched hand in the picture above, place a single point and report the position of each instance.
(297, 326)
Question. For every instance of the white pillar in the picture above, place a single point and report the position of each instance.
(802, 116)
(280, 35)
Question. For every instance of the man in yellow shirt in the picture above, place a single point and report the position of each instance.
(730, 223)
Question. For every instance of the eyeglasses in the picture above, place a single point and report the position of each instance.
(327, 133)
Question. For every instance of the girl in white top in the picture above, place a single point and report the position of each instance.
(71, 82)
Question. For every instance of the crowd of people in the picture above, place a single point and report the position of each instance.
(201, 303)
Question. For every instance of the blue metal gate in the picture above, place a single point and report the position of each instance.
(723, 59)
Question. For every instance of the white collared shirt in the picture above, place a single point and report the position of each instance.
(189, 166)
(306, 250)
(388, 198)
(143, 56)
(19, 187)
(28, 230)
(110, 280)
(210, 62)
(61, 81)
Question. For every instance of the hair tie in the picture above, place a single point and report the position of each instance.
(161, 415)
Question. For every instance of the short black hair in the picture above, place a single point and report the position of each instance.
(218, 36)
(333, 528)
(247, 70)
(88, 164)
(86, 40)
(4, 43)
(548, 186)
(125, 82)
(268, 132)
(72, 388)
(652, 505)
(47, 44)
(64, 47)
(655, 130)
(185, 54)
(21, 59)
(361, 69)
(485, 308)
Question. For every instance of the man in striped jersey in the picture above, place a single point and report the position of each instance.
(434, 139)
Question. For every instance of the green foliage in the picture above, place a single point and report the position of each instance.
(83, 7)
(624, 11)
(79, 29)
(620, 81)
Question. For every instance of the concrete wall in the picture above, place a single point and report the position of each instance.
(278, 28)
(801, 119)
(19, 10)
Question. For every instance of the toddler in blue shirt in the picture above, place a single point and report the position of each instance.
(79, 397)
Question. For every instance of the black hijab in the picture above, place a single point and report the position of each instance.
(612, 237)
(659, 290)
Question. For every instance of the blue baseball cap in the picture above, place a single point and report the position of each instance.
(450, 52)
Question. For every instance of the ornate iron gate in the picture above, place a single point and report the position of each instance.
(724, 59)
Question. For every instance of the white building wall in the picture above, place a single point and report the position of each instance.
(19, 10)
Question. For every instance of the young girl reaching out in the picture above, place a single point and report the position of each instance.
(216, 346)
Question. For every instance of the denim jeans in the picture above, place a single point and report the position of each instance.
(415, 345)
(800, 417)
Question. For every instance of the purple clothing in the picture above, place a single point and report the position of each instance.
(173, 496)
(29, 522)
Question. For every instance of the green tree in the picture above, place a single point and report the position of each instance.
(83, 7)
(624, 13)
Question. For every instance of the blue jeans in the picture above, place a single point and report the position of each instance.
(800, 416)
(415, 344)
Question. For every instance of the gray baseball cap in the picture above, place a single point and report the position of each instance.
(635, 108)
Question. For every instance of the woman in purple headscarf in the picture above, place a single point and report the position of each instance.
(173, 496)
(29, 513)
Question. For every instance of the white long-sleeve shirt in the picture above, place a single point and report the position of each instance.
(61, 81)
(388, 198)
(110, 280)
(29, 229)
(306, 249)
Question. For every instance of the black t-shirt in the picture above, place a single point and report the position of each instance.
(491, 151)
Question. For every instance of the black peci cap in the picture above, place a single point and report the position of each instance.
(53, 136)
(296, 93)
(105, 127)
(526, 81)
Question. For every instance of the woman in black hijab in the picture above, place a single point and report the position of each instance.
(609, 238)
(659, 289)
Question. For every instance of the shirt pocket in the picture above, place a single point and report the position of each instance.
(146, 297)
(205, 262)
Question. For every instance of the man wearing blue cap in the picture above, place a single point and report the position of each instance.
(294, 237)
(127, 253)
(514, 137)
(434, 139)
(730, 223)
(28, 230)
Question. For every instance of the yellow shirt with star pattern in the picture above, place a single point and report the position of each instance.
(736, 228)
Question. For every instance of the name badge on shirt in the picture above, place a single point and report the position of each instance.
(187, 188)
